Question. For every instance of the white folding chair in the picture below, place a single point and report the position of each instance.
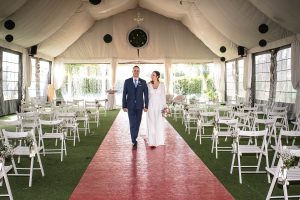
(226, 129)
(70, 125)
(224, 112)
(281, 119)
(22, 150)
(92, 108)
(29, 121)
(3, 174)
(269, 124)
(83, 117)
(206, 119)
(243, 120)
(240, 149)
(278, 147)
(191, 119)
(56, 135)
(290, 175)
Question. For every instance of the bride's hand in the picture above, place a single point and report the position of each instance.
(145, 109)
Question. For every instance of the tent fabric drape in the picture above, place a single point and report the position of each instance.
(219, 79)
(167, 38)
(295, 70)
(59, 74)
(247, 82)
(168, 82)
(114, 63)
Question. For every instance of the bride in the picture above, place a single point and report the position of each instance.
(157, 101)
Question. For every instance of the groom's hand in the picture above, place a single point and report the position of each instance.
(125, 109)
(145, 109)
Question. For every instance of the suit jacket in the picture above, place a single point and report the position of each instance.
(135, 97)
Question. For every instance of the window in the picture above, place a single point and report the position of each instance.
(85, 81)
(241, 91)
(10, 75)
(196, 81)
(284, 89)
(32, 88)
(230, 81)
(262, 76)
(44, 77)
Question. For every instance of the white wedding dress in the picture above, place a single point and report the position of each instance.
(155, 121)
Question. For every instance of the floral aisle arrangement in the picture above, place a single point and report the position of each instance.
(29, 141)
(289, 160)
(6, 151)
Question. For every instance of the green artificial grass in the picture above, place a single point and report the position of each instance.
(61, 178)
(255, 186)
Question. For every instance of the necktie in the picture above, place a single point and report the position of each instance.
(135, 82)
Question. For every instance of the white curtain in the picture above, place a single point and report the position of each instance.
(219, 79)
(114, 63)
(295, 66)
(168, 82)
(27, 73)
(247, 77)
(58, 73)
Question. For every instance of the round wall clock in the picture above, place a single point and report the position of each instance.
(138, 37)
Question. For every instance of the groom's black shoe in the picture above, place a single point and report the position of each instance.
(134, 146)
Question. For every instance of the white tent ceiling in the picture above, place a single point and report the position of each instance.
(57, 24)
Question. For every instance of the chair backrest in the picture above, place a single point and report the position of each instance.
(27, 115)
(279, 109)
(8, 135)
(261, 107)
(262, 133)
(285, 133)
(50, 122)
(206, 117)
(277, 114)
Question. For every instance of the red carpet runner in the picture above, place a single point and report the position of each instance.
(172, 171)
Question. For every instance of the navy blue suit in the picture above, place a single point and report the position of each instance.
(135, 99)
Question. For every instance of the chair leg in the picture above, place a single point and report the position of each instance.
(14, 165)
(286, 196)
(216, 143)
(213, 145)
(7, 184)
(258, 163)
(65, 147)
(40, 163)
(271, 187)
(239, 166)
(232, 163)
(31, 171)
(62, 150)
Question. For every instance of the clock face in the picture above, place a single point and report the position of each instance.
(138, 37)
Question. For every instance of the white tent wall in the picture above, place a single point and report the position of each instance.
(167, 38)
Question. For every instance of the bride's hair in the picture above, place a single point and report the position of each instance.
(157, 74)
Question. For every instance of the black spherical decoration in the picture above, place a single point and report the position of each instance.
(9, 24)
(223, 49)
(263, 28)
(95, 2)
(107, 38)
(222, 59)
(262, 43)
(9, 38)
(138, 37)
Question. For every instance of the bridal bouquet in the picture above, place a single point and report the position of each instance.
(166, 112)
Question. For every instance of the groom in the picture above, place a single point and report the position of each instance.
(135, 100)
